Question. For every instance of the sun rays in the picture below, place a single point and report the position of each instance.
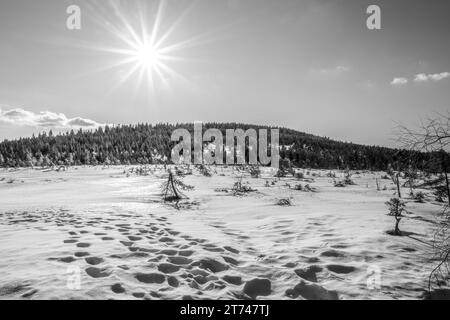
(144, 52)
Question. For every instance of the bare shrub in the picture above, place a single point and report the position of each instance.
(339, 184)
(299, 175)
(239, 189)
(331, 174)
(441, 245)
(348, 179)
(285, 202)
(180, 171)
(255, 171)
(281, 173)
(305, 188)
(285, 169)
(204, 170)
(419, 197)
(440, 193)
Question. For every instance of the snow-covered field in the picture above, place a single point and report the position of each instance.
(96, 233)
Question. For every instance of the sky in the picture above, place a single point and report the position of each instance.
(310, 65)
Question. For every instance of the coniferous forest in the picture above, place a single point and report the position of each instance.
(147, 144)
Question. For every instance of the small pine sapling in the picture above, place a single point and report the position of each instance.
(396, 208)
(171, 188)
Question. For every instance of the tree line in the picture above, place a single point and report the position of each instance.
(150, 144)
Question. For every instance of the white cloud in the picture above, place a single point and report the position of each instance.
(422, 77)
(45, 120)
(332, 71)
(399, 81)
(341, 69)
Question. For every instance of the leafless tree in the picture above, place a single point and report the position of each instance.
(440, 273)
(395, 177)
(433, 135)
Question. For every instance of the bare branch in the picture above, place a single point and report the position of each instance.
(432, 135)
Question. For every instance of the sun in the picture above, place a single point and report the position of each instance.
(148, 56)
(142, 48)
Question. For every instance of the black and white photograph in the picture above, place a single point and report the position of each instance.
(249, 150)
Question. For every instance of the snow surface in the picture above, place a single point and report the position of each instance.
(111, 231)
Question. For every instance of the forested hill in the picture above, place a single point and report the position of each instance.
(145, 143)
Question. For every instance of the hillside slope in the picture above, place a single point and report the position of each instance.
(146, 143)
